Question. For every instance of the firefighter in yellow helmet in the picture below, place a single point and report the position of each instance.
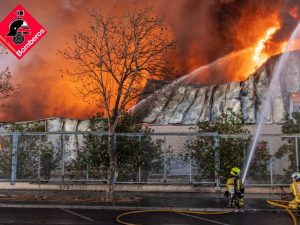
(235, 189)
(295, 191)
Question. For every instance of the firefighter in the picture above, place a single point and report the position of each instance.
(235, 189)
(295, 191)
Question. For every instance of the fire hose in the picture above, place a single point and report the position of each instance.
(279, 203)
(118, 219)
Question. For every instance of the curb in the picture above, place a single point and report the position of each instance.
(132, 208)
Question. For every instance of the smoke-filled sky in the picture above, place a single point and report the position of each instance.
(206, 30)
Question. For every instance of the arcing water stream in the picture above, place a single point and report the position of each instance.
(279, 69)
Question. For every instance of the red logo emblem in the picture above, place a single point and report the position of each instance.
(19, 31)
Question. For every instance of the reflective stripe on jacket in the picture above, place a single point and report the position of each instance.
(295, 190)
(234, 182)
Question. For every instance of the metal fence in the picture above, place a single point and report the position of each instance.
(145, 158)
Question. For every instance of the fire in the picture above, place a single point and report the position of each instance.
(283, 46)
(294, 12)
(238, 65)
(227, 39)
(260, 56)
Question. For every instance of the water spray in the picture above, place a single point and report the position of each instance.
(267, 102)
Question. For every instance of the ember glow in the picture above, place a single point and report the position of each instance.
(221, 41)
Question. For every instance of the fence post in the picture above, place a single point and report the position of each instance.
(217, 162)
(87, 154)
(271, 160)
(14, 157)
(63, 158)
(115, 176)
(297, 153)
(190, 158)
(39, 162)
(165, 160)
(139, 178)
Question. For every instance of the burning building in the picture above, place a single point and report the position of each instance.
(185, 102)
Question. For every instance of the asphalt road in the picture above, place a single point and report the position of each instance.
(27, 216)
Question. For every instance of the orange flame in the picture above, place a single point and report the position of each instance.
(238, 65)
(294, 12)
(260, 56)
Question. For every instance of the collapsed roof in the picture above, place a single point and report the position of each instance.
(188, 104)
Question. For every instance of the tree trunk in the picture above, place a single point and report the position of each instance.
(112, 166)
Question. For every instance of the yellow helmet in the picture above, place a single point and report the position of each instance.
(296, 176)
(235, 171)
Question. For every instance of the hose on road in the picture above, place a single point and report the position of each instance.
(120, 221)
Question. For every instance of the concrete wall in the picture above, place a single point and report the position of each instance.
(266, 129)
(140, 188)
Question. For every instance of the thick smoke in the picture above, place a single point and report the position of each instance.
(206, 29)
(211, 29)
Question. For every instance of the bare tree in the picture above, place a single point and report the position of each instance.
(115, 58)
(6, 87)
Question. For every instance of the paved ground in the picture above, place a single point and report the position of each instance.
(24, 216)
(262, 218)
(62, 208)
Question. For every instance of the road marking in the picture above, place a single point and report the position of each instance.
(201, 218)
(77, 214)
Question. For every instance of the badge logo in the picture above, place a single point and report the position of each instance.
(19, 31)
